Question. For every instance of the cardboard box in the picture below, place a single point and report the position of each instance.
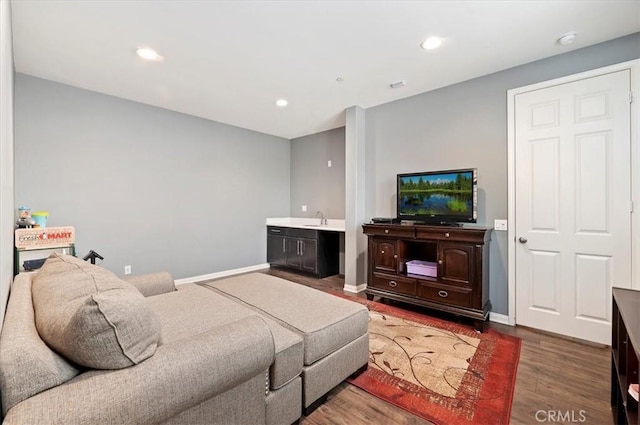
(422, 268)
(45, 237)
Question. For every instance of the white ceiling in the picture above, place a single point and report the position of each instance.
(229, 61)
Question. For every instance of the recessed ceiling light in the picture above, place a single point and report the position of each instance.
(148, 54)
(282, 102)
(431, 43)
(566, 39)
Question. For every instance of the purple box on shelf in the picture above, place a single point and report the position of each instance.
(422, 268)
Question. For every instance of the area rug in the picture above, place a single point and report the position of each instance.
(443, 372)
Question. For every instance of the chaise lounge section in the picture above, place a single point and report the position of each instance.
(250, 349)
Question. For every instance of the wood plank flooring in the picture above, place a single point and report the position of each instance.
(559, 380)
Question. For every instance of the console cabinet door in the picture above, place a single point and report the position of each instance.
(302, 253)
(455, 263)
(309, 255)
(293, 253)
(276, 250)
(385, 255)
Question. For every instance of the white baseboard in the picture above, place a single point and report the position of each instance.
(218, 275)
(354, 289)
(500, 318)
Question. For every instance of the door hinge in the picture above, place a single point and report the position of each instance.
(631, 209)
(630, 97)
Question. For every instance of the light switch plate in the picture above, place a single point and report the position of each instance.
(500, 224)
(304, 208)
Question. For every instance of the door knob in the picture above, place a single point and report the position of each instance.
(522, 239)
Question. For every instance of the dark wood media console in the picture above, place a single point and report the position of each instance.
(625, 354)
(461, 257)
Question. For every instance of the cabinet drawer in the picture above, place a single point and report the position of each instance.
(395, 231)
(450, 234)
(445, 294)
(397, 284)
(302, 233)
(435, 234)
(273, 230)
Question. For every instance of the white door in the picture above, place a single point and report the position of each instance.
(573, 204)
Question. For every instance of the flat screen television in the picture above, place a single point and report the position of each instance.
(438, 197)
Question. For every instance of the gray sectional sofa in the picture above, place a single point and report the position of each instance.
(81, 346)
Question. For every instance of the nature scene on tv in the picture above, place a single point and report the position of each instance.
(437, 194)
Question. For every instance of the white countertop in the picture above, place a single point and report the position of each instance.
(333, 225)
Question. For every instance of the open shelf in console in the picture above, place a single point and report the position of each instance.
(418, 250)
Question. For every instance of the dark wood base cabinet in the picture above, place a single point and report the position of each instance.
(459, 280)
(625, 352)
(312, 251)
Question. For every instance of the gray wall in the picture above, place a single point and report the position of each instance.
(6, 156)
(145, 186)
(313, 183)
(465, 125)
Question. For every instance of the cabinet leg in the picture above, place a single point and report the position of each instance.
(370, 297)
(478, 325)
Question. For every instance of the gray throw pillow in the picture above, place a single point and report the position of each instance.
(90, 316)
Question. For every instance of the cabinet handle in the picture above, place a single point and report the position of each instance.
(393, 283)
(381, 252)
(275, 230)
(386, 230)
(446, 235)
(443, 294)
(301, 247)
(440, 261)
(395, 256)
(284, 245)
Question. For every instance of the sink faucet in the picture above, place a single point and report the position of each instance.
(322, 219)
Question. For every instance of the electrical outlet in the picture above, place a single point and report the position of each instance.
(127, 269)
(500, 224)
(304, 208)
(329, 163)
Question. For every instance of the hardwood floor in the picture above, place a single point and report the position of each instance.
(559, 380)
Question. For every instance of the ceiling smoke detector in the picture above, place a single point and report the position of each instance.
(566, 39)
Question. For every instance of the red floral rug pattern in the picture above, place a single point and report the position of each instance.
(478, 391)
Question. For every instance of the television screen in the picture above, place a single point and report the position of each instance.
(440, 197)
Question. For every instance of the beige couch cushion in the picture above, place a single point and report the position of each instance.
(326, 322)
(194, 309)
(27, 364)
(91, 317)
(152, 283)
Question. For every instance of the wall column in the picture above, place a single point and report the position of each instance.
(355, 244)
